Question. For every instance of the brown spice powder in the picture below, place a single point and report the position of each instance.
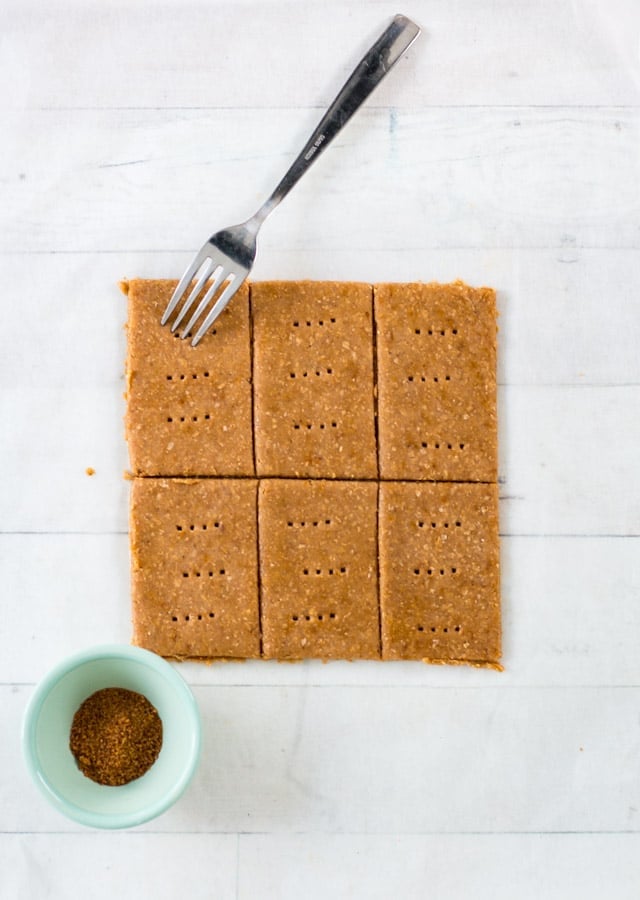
(116, 736)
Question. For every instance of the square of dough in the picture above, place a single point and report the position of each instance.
(189, 408)
(195, 567)
(318, 569)
(313, 363)
(439, 572)
(436, 347)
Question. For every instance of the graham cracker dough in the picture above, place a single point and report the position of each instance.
(439, 571)
(313, 370)
(371, 529)
(194, 567)
(318, 562)
(436, 347)
(188, 408)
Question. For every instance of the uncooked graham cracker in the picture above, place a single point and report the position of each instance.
(313, 365)
(194, 567)
(439, 596)
(189, 408)
(439, 572)
(318, 569)
(436, 348)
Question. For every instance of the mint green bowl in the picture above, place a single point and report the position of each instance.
(47, 725)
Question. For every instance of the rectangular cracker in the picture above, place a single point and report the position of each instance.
(313, 379)
(194, 567)
(318, 569)
(189, 408)
(436, 349)
(439, 572)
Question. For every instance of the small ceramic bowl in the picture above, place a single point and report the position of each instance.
(47, 726)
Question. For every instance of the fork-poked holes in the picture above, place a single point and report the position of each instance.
(310, 426)
(423, 379)
(198, 526)
(442, 445)
(435, 570)
(439, 629)
(205, 572)
(198, 417)
(319, 572)
(318, 372)
(314, 617)
(311, 323)
(434, 331)
(194, 617)
(188, 376)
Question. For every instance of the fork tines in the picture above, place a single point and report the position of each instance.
(204, 272)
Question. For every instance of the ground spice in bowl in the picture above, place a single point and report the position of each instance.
(116, 736)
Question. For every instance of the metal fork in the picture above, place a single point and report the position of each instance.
(228, 255)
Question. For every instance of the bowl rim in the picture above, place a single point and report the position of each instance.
(32, 714)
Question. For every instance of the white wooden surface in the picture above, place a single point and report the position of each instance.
(505, 149)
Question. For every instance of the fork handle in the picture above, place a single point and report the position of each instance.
(367, 75)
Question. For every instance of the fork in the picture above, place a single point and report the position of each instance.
(228, 255)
